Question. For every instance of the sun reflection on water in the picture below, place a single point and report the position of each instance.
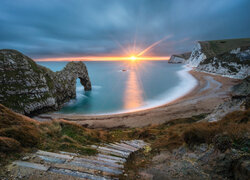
(133, 96)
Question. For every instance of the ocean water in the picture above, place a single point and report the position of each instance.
(123, 86)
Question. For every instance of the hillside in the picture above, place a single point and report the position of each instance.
(217, 47)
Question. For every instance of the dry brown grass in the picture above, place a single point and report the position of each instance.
(9, 145)
(20, 128)
(235, 126)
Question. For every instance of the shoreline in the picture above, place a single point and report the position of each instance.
(162, 100)
(199, 100)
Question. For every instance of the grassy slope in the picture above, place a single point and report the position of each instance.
(213, 48)
(20, 134)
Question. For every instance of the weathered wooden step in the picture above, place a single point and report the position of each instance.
(77, 174)
(32, 165)
(56, 155)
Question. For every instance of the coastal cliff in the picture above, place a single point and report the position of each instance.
(179, 58)
(29, 88)
(230, 58)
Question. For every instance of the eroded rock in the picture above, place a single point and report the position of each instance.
(29, 88)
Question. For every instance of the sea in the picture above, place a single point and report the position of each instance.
(126, 86)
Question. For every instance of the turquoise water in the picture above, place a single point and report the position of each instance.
(142, 85)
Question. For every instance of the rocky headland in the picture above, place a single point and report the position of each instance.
(29, 88)
(229, 58)
(179, 58)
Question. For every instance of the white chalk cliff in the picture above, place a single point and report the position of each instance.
(179, 58)
(233, 63)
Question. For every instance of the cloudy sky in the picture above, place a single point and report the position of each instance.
(66, 28)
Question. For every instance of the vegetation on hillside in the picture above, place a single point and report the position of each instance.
(20, 134)
(214, 48)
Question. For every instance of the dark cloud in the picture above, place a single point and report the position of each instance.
(52, 28)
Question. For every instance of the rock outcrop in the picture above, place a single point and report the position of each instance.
(240, 100)
(230, 58)
(29, 88)
(179, 58)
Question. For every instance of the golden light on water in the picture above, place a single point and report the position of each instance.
(133, 96)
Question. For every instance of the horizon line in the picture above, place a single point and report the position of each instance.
(105, 58)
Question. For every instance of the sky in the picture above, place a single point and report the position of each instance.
(72, 28)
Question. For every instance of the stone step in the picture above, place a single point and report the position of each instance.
(111, 150)
(51, 159)
(127, 146)
(79, 162)
(109, 160)
(32, 165)
(140, 142)
(114, 158)
(134, 144)
(104, 165)
(117, 147)
(111, 153)
(110, 170)
(77, 174)
(69, 153)
(56, 155)
(100, 162)
(81, 169)
(102, 159)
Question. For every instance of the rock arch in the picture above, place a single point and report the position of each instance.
(29, 88)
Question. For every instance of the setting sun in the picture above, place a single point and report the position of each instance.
(132, 58)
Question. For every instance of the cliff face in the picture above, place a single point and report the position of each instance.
(179, 58)
(230, 58)
(28, 88)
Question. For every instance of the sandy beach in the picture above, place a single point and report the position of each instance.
(210, 91)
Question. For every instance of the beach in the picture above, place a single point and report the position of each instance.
(210, 91)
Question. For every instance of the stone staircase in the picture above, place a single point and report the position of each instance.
(107, 164)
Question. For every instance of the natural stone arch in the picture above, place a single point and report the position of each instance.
(29, 88)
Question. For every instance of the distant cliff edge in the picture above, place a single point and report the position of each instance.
(179, 58)
(230, 58)
(29, 88)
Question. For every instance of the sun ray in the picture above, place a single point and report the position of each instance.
(152, 46)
